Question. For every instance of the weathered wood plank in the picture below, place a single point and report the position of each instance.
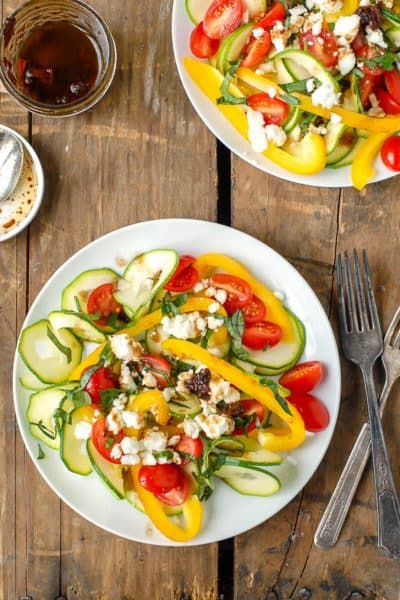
(278, 559)
(130, 159)
(12, 310)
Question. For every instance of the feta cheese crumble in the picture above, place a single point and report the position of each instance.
(125, 348)
(275, 134)
(346, 29)
(149, 380)
(215, 425)
(183, 327)
(191, 428)
(155, 441)
(256, 131)
(82, 430)
(132, 418)
(126, 380)
(325, 96)
(335, 119)
(279, 36)
(310, 85)
(346, 60)
(258, 32)
(375, 36)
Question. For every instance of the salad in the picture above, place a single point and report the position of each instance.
(163, 379)
(310, 83)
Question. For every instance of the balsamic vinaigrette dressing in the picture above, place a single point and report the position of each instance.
(57, 63)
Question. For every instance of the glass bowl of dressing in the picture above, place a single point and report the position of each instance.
(57, 57)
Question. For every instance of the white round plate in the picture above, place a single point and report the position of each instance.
(224, 131)
(226, 512)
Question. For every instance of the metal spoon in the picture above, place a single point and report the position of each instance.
(11, 160)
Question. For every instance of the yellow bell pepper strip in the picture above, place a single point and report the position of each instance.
(155, 510)
(309, 159)
(286, 439)
(147, 322)
(349, 7)
(275, 310)
(152, 400)
(362, 169)
(349, 117)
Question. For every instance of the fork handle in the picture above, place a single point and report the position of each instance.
(331, 523)
(387, 503)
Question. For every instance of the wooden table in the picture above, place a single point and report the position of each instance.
(143, 153)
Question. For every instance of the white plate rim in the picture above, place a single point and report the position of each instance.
(184, 223)
(328, 178)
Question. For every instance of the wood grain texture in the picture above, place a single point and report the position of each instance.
(127, 160)
(12, 311)
(278, 561)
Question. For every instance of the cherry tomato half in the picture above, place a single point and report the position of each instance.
(222, 17)
(390, 153)
(177, 495)
(315, 414)
(387, 102)
(184, 277)
(239, 291)
(160, 478)
(254, 311)
(274, 110)
(201, 45)
(159, 368)
(101, 300)
(364, 50)
(303, 377)
(250, 408)
(277, 13)
(263, 334)
(392, 82)
(256, 50)
(191, 446)
(104, 440)
(323, 46)
(102, 379)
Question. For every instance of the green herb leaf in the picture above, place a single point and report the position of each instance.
(78, 304)
(45, 430)
(41, 453)
(107, 398)
(168, 454)
(205, 338)
(390, 15)
(358, 73)
(289, 99)
(295, 86)
(88, 373)
(280, 399)
(109, 442)
(235, 327)
(385, 61)
(227, 97)
(170, 304)
(78, 397)
(66, 351)
(61, 417)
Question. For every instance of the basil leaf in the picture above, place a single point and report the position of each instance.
(235, 327)
(227, 97)
(66, 351)
(61, 417)
(45, 430)
(170, 304)
(289, 99)
(107, 398)
(280, 399)
(88, 373)
(41, 454)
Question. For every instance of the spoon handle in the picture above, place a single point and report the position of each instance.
(332, 520)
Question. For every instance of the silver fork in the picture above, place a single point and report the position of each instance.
(332, 520)
(361, 339)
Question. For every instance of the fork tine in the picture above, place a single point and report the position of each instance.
(352, 315)
(371, 298)
(341, 300)
(392, 327)
(362, 309)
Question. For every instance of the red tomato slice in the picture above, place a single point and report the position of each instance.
(191, 446)
(315, 414)
(101, 300)
(367, 85)
(303, 377)
(323, 46)
(184, 277)
(256, 50)
(201, 45)
(262, 334)
(392, 81)
(387, 102)
(277, 13)
(254, 311)
(159, 367)
(390, 153)
(274, 110)
(222, 17)
(239, 291)
(104, 440)
(251, 407)
(364, 50)
(177, 495)
(102, 379)
(160, 478)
